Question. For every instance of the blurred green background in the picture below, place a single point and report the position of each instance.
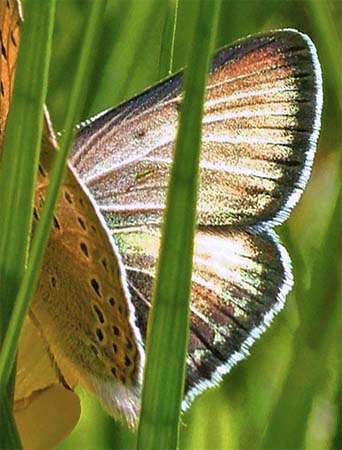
(287, 394)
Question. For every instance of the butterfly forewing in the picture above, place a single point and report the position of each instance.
(260, 123)
(260, 126)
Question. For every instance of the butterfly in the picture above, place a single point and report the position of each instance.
(89, 315)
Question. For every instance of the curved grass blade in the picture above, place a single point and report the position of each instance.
(168, 324)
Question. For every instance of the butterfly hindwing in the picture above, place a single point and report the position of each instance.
(240, 280)
(81, 303)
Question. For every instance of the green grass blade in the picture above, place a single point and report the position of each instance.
(19, 162)
(36, 256)
(150, 10)
(21, 150)
(110, 34)
(169, 320)
(168, 40)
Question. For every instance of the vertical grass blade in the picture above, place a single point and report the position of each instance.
(168, 40)
(21, 150)
(150, 10)
(17, 180)
(169, 320)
